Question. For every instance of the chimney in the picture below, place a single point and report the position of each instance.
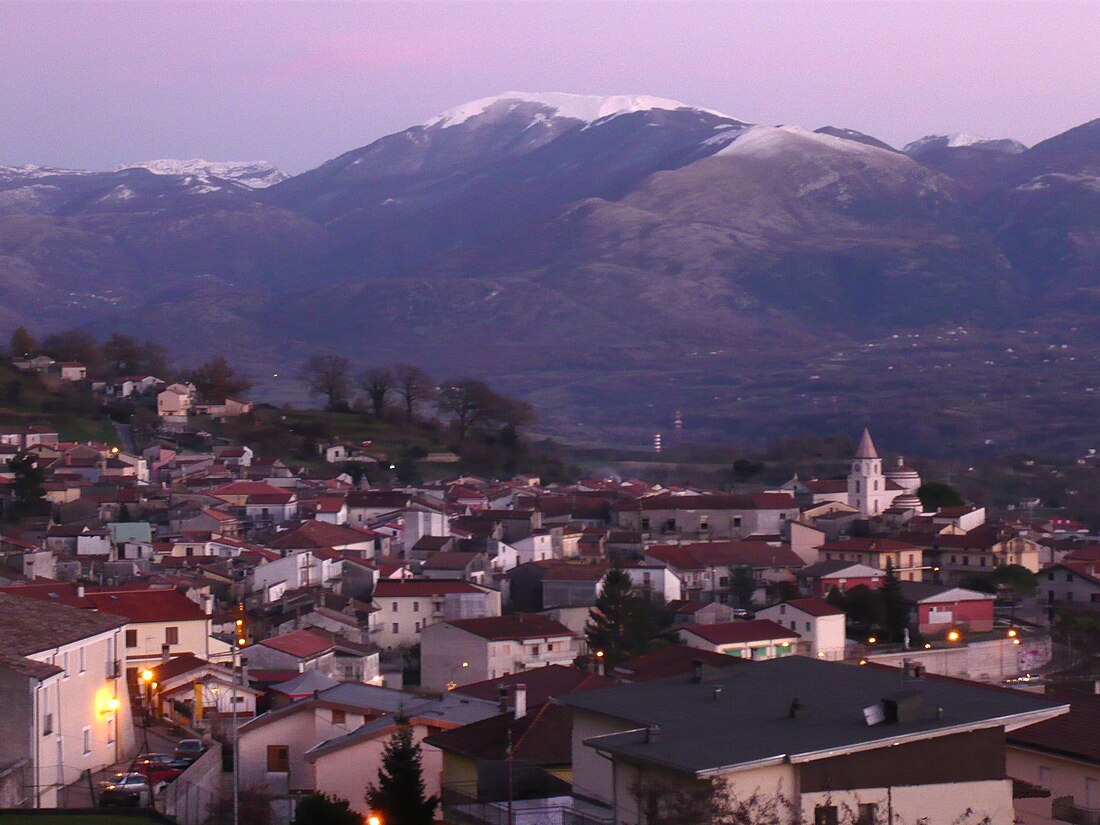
(502, 698)
(80, 591)
(1096, 687)
(520, 699)
(697, 671)
(165, 653)
(208, 604)
(716, 694)
(652, 734)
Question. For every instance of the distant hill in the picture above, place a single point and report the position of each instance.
(613, 259)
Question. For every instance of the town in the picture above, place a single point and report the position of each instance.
(192, 625)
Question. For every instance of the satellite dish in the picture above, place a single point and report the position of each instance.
(874, 715)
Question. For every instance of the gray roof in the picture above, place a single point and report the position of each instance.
(452, 708)
(305, 683)
(749, 724)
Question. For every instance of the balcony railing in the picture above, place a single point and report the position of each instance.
(1063, 808)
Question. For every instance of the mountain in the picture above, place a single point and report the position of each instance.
(612, 259)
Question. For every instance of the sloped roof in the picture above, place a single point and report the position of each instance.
(710, 501)
(815, 607)
(542, 737)
(1075, 735)
(397, 588)
(542, 683)
(672, 660)
(305, 684)
(31, 625)
(728, 633)
(303, 644)
(516, 626)
(316, 534)
(160, 605)
(700, 555)
(866, 448)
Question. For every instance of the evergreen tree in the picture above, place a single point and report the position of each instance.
(22, 343)
(622, 623)
(896, 613)
(399, 798)
(743, 585)
(322, 809)
(27, 488)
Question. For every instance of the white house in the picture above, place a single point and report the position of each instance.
(463, 651)
(406, 607)
(754, 639)
(816, 621)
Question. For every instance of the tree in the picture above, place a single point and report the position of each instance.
(216, 380)
(413, 385)
(128, 356)
(22, 343)
(893, 602)
(473, 404)
(377, 383)
(935, 495)
(622, 623)
(75, 345)
(407, 471)
(398, 797)
(1017, 580)
(27, 487)
(329, 376)
(322, 809)
(743, 585)
(743, 469)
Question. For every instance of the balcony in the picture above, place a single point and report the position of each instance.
(1063, 808)
(114, 669)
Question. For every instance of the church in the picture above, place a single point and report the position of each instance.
(867, 490)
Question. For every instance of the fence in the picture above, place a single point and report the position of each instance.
(193, 797)
(463, 805)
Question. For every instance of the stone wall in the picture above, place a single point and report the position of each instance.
(985, 661)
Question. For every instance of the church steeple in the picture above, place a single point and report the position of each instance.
(866, 447)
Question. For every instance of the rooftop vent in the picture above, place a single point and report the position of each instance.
(652, 734)
(697, 670)
(795, 709)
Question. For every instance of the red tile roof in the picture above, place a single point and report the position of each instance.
(391, 589)
(711, 501)
(517, 626)
(542, 683)
(868, 544)
(672, 660)
(147, 605)
(815, 607)
(311, 534)
(1075, 734)
(302, 644)
(700, 555)
(726, 633)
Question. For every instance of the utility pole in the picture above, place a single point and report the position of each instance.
(236, 768)
(511, 794)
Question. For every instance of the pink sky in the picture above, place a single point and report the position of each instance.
(96, 84)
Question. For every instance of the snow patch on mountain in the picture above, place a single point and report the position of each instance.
(253, 174)
(585, 108)
(32, 171)
(961, 140)
(766, 141)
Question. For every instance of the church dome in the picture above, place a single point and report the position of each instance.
(907, 502)
(904, 476)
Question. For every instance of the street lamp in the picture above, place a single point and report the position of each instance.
(374, 819)
(953, 636)
(871, 640)
(451, 683)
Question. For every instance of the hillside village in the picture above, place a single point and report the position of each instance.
(596, 650)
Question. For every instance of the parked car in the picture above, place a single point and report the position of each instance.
(126, 789)
(742, 613)
(160, 768)
(190, 749)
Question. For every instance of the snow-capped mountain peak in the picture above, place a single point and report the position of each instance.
(252, 174)
(32, 171)
(762, 140)
(585, 108)
(961, 140)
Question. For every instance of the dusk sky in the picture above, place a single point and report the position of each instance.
(97, 84)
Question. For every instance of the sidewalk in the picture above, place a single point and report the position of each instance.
(160, 740)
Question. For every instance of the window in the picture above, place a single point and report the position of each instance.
(171, 635)
(83, 659)
(825, 815)
(857, 486)
(982, 561)
(86, 738)
(737, 521)
(550, 647)
(339, 717)
(645, 525)
(65, 664)
(278, 759)
(868, 813)
(1050, 576)
(396, 627)
(782, 610)
(724, 581)
(534, 650)
(670, 524)
(793, 624)
(417, 627)
(395, 607)
(954, 559)
(704, 522)
(807, 627)
(47, 725)
(1069, 577)
(876, 485)
(131, 638)
(416, 607)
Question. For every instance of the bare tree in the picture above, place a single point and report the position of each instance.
(329, 376)
(473, 404)
(413, 385)
(377, 383)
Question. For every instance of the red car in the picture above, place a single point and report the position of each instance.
(159, 769)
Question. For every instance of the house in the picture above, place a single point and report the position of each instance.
(329, 742)
(1062, 757)
(816, 621)
(816, 737)
(461, 651)
(176, 400)
(183, 679)
(706, 569)
(706, 516)
(63, 691)
(329, 653)
(688, 611)
(937, 608)
(301, 569)
(317, 534)
(158, 621)
(874, 551)
(68, 371)
(754, 639)
(406, 607)
(655, 580)
(822, 578)
(1070, 584)
(457, 565)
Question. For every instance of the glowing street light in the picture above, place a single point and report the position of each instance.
(953, 636)
(871, 640)
(374, 819)
(1012, 633)
(927, 645)
(146, 676)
